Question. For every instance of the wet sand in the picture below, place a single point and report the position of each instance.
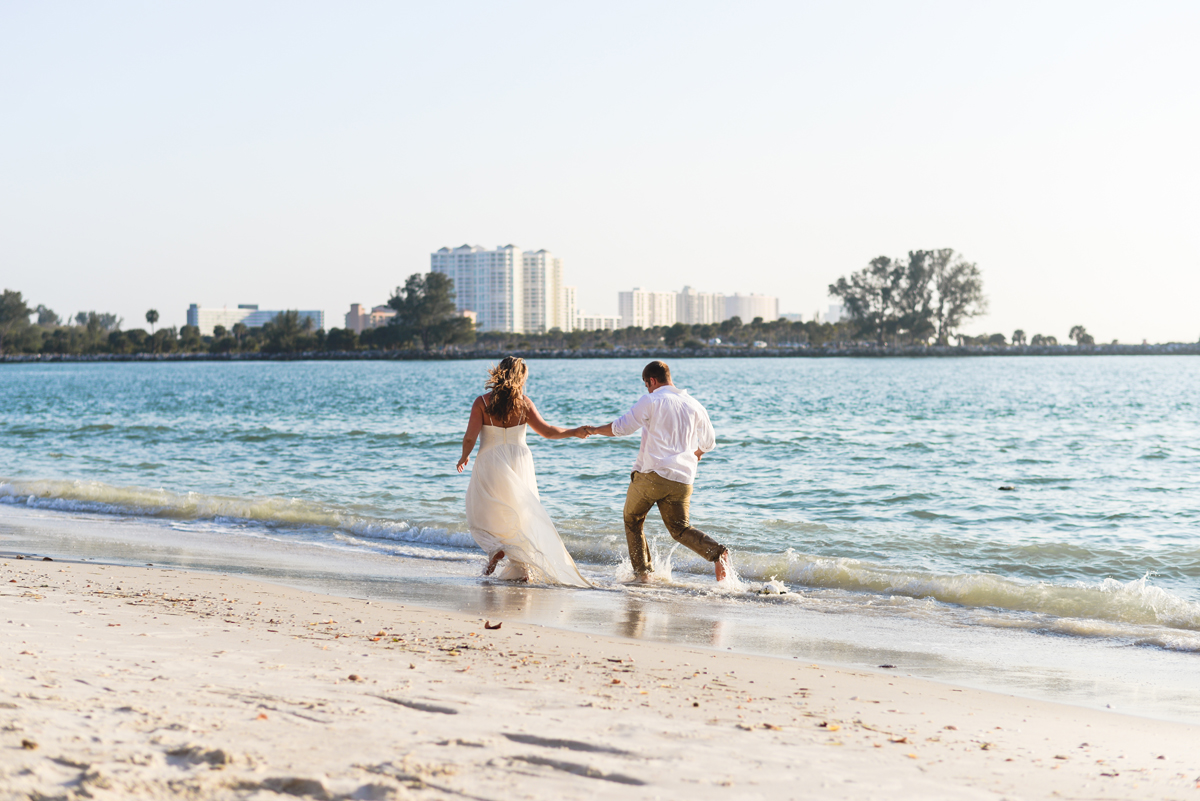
(117, 681)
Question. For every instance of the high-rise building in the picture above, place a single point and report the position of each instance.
(569, 309)
(699, 308)
(543, 292)
(747, 307)
(247, 314)
(508, 290)
(646, 309)
(490, 283)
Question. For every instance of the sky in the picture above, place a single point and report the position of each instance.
(312, 155)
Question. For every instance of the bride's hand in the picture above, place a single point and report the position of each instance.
(463, 463)
(583, 432)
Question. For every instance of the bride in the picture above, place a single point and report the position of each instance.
(504, 511)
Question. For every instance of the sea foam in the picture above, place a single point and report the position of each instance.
(1108, 601)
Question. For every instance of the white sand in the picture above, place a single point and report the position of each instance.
(164, 684)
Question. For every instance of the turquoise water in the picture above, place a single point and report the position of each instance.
(865, 485)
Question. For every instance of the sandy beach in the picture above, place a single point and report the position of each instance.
(121, 681)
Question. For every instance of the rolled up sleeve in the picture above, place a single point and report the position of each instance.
(706, 435)
(633, 419)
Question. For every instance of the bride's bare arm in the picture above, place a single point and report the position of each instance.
(545, 429)
(474, 424)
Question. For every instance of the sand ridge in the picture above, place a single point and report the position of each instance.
(116, 681)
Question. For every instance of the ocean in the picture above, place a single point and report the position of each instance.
(869, 489)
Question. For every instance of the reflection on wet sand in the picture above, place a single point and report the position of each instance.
(809, 626)
(633, 624)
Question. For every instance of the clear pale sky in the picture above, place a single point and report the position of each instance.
(312, 155)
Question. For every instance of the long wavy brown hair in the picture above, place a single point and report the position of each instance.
(507, 384)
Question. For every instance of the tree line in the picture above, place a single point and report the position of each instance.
(913, 300)
(91, 333)
(922, 299)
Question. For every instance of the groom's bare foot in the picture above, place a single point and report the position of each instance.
(491, 565)
(723, 565)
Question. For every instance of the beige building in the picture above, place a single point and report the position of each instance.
(358, 319)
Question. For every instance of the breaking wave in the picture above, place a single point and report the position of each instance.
(292, 513)
(1134, 610)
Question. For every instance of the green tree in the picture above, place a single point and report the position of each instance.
(1018, 337)
(676, 334)
(14, 316)
(959, 292)
(868, 295)
(286, 332)
(164, 341)
(425, 311)
(730, 326)
(47, 317)
(341, 339)
(152, 318)
(1081, 336)
(913, 300)
(190, 339)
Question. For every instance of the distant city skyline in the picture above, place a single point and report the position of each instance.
(172, 154)
(514, 290)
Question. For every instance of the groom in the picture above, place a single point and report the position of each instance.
(676, 432)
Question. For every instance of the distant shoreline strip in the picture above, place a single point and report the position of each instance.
(868, 352)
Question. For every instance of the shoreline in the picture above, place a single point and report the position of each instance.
(174, 683)
(821, 352)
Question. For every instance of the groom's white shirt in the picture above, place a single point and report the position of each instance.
(674, 426)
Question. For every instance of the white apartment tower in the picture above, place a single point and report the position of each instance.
(548, 304)
(646, 309)
(569, 309)
(747, 307)
(490, 283)
(509, 290)
(699, 308)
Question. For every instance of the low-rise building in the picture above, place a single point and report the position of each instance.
(597, 322)
(358, 319)
(248, 314)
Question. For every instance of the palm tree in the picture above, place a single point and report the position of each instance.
(152, 318)
(1081, 336)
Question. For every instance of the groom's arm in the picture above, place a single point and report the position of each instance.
(629, 422)
(604, 431)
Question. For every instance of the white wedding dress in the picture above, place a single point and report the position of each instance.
(505, 513)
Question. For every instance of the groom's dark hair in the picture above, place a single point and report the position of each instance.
(658, 371)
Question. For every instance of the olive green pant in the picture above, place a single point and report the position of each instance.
(674, 499)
